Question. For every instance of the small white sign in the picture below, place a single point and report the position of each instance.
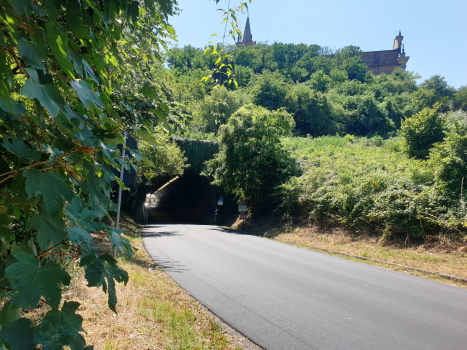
(220, 201)
(242, 207)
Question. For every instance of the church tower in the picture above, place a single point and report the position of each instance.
(386, 61)
(247, 37)
(398, 43)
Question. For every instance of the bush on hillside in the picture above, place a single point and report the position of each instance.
(376, 188)
(421, 132)
(451, 154)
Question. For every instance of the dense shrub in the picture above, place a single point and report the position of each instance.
(216, 108)
(451, 154)
(310, 109)
(421, 132)
(373, 187)
(269, 90)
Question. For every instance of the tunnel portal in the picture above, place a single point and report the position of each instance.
(187, 199)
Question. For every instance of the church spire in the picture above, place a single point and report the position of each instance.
(247, 37)
(247, 33)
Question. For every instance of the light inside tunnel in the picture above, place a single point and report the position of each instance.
(188, 198)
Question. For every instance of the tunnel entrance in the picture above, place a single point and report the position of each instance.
(187, 199)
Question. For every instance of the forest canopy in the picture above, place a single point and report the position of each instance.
(327, 91)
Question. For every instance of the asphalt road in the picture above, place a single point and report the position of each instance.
(284, 297)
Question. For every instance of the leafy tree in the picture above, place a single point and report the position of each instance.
(423, 98)
(310, 110)
(243, 75)
(60, 66)
(269, 90)
(349, 51)
(460, 99)
(439, 85)
(394, 112)
(366, 116)
(443, 93)
(165, 158)
(338, 76)
(251, 162)
(319, 81)
(355, 68)
(217, 108)
(421, 132)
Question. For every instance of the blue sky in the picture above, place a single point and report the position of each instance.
(435, 32)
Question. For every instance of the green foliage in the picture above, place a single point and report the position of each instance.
(197, 152)
(251, 162)
(377, 188)
(442, 92)
(269, 90)
(421, 132)
(310, 110)
(460, 99)
(64, 70)
(165, 157)
(319, 81)
(102, 272)
(355, 68)
(359, 103)
(217, 108)
(450, 155)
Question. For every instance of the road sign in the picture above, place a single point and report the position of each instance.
(242, 207)
(220, 200)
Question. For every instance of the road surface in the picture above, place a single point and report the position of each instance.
(285, 298)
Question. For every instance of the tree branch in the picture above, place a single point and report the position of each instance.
(14, 200)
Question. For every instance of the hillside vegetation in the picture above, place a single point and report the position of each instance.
(384, 152)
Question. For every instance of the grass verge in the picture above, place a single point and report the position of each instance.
(153, 311)
(439, 258)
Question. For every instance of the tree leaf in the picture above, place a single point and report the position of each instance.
(58, 44)
(31, 281)
(20, 335)
(121, 243)
(81, 237)
(161, 115)
(60, 328)
(147, 136)
(21, 149)
(9, 314)
(52, 187)
(133, 11)
(23, 7)
(46, 94)
(86, 94)
(103, 271)
(31, 54)
(48, 230)
(150, 92)
(89, 71)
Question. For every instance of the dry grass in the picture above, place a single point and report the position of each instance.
(441, 255)
(153, 311)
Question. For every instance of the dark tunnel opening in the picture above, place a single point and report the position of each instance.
(187, 199)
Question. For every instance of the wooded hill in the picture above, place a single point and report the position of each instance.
(327, 91)
(309, 134)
